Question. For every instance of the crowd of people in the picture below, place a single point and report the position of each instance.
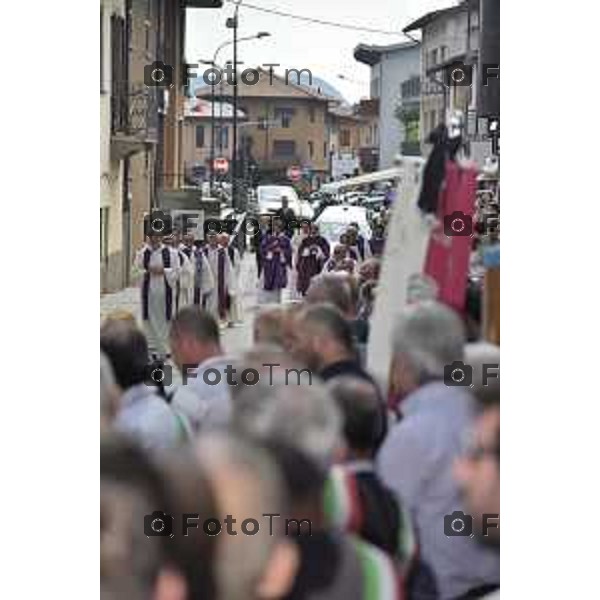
(287, 471)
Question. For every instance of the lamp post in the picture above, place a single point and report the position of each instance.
(213, 64)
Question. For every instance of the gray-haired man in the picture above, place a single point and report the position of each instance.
(417, 457)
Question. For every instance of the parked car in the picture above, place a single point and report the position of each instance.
(334, 221)
(269, 200)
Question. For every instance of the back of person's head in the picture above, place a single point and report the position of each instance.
(304, 480)
(269, 363)
(331, 288)
(330, 322)
(194, 337)
(139, 497)
(197, 324)
(109, 392)
(269, 327)
(126, 348)
(427, 337)
(258, 561)
(362, 415)
(303, 416)
(484, 360)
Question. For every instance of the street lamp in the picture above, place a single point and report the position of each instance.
(213, 64)
(232, 23)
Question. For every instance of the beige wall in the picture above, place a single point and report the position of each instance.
(194, 155)
(302, 131)
(111, 178)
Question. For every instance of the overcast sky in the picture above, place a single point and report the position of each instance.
(326, 51)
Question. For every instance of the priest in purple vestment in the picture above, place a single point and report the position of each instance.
(276, 254)
(313, 253)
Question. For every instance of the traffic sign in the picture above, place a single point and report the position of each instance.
(221, 165)
(294, 173)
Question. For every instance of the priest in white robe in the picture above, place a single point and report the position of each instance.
(196, 278)
(235, 310)
(159, 268)
(217, 303)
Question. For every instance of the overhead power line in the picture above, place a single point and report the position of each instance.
(287, 15)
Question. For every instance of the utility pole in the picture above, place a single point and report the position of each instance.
(234, 162)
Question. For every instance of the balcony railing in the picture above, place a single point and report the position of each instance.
(134, 114)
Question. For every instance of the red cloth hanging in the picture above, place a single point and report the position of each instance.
(449, 251)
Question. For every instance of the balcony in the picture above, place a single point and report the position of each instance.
(134, 121)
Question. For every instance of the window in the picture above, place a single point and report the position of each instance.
(345, 137)
(324, 149)
(199, 136)
(311, 150)
(285, 116)
(222, 136)
(434, 56)
(443, 53)
(284, 148)
(311, 113)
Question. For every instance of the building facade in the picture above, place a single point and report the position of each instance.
(141, 124)
(198, 136)
(368, 150)
(390, 66)
(286, 126)
(449, 37)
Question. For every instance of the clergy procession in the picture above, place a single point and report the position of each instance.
(177, 270)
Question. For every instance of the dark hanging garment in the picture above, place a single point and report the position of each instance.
(433, 172)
